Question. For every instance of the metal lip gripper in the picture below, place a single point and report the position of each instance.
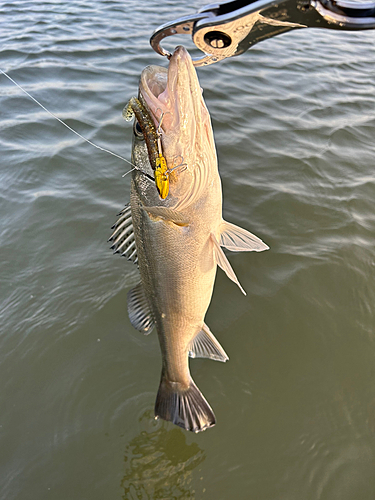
(229, 29)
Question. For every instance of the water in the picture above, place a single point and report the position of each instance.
(294, 124)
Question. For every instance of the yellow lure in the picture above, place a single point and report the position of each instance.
(162, 177)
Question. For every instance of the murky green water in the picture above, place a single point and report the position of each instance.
(294, 121)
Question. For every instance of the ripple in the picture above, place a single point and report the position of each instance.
(294, 130)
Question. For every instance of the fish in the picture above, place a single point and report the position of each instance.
(175, 232)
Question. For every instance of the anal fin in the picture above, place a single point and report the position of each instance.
(205, 345)
(139, 311)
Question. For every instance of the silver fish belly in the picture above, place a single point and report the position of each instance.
(177, 241)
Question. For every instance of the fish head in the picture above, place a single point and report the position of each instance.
(175, 101)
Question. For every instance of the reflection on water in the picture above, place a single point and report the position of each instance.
(159, 463)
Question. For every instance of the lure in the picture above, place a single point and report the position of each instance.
(138, 108)
(161, 172)
(162, 177)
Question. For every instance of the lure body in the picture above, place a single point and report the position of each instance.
(152, 135)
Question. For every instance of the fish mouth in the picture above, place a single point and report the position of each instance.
(174, 99)
(175, 102)
(153, 83)
(174, 94)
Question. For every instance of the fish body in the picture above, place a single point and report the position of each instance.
(178, 238)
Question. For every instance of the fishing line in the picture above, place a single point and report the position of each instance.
(67, 126)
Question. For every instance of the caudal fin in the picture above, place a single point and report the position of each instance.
(186, 408)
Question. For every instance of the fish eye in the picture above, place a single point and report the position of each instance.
(137, 130)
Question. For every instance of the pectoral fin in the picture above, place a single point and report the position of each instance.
(139, 311)
(223, 262)
(237, 239)
(205, 345)
(123, 235)
(167, 214)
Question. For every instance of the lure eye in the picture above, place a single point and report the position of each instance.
(137, 130)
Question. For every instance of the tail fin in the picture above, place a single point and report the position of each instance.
(186, 408)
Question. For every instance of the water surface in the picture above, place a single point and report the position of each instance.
(294, 124)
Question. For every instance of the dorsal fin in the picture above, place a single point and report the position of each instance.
(123, 235)
(223, 262)
(139, 311)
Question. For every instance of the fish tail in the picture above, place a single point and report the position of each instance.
(185, 407)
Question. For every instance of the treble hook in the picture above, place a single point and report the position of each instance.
(162, 176)
(182, 164)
